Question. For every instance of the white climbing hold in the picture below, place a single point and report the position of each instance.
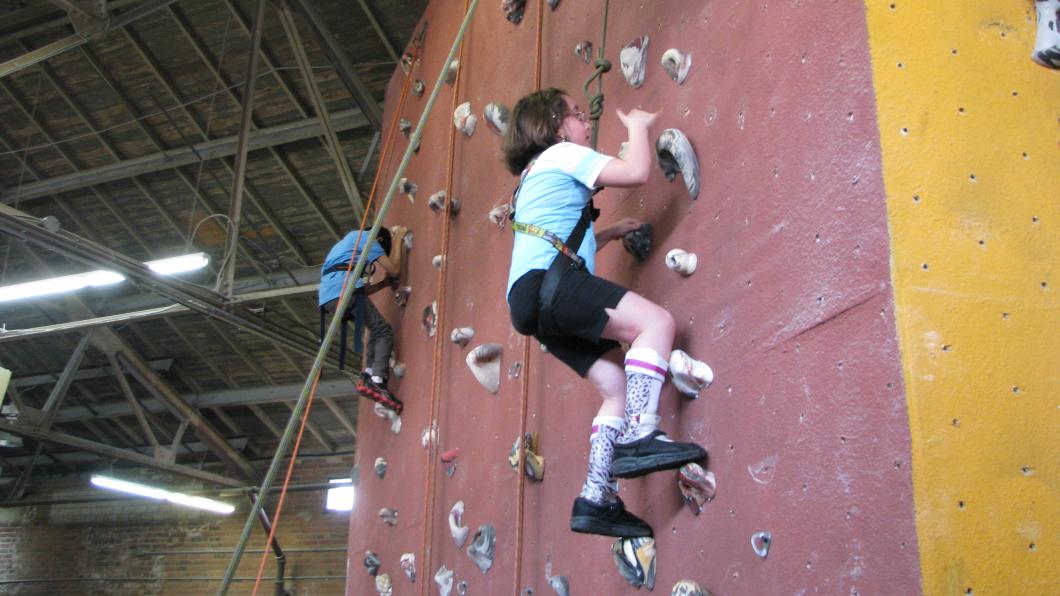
(584, 50)
(430, 318)
(390, 416)
(485, 363)
(458, 532)
(409, 188)
(418, 87)
(633, 59)
(687, 587)
(380, 467)
(397, 368)
(462, 335)
(402, 294)
(499, 214)
(1047, 41)
(450, 74)
(760, 542)
(437, 260)
(429, 437)
(690, 376)
(404, 127)
(408, 565)
(681, 261)
(408, 237)
(560, 584)
(463, 119)
(675, 155)
(676, 64)
(483, 546)
(389, 516)
(444, 578)
(496, 115)
(437, 201)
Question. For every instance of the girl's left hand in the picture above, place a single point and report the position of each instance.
(625, 226)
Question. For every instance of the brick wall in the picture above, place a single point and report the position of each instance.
(141, 547)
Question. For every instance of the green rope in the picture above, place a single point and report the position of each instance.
(596, 100)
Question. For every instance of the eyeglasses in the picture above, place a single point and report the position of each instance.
(580, 115)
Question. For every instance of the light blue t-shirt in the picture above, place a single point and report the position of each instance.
(553, 196)
(340, 254)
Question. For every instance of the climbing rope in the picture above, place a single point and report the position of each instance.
(524, 392)
(596, 100)
(383, 157)
(436, 358)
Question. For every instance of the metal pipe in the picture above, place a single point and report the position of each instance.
(344, 300)
(235, 207)
(281, 558)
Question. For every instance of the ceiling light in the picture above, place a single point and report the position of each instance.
(161, 494)
(71, 283)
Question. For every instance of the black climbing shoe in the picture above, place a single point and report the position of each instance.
(649, 454)
(379, 393)
(607, 519)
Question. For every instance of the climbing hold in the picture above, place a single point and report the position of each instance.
(560, 584)
(514, 370)
(584, 50)
(450, 73)
(458, 532)
(372, 562)
(676, 64)
(513, 10)
(1047, 41)
(380, 466)
(697, 486)
(436, 261)
(409, 188)
(404, 127)
(444, 578)
(690, 376)
(675, 155)
(534, 466)
(485, 363)
(760, 542)
(461, 588)
(449, 456)
(553, 4)
(401, 295)
(437, 204)
(681, 261)
(430, 318)
(462, 335)
(638, 242)
(383, 585)
(429, 436)
(635, 558)
(633, 59)
(762, 472)
(389, 516)
(408, 240)
(408, 565)
(397, 369)
(418, 87)
(687, 587)
(496, 115)
(463, 119)
(499, 214)
(482, 547)
(389, 415)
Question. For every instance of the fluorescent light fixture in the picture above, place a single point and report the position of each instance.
(340, 498)
(161, 494)
(179, 264)
(71, 283)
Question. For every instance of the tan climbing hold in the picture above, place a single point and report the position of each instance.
(675, 155)
(457, 531)
(461, 336)
(485, 363)
(499, 214)
(676, 64)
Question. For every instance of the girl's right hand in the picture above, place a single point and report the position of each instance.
(637, 118)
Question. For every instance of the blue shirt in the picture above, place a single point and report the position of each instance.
(552, 196)
(340, 254)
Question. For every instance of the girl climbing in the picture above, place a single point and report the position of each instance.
(580, 318)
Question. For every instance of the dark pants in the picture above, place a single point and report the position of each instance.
(380, 337)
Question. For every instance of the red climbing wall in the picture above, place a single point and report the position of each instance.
(791, 305)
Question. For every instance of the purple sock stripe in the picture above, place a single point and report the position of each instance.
(647, 367)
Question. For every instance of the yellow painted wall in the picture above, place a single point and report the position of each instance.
(969, 133)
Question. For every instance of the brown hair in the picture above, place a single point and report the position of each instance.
(533, 127)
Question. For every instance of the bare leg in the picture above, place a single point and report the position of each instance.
(641, 323)
(607, 375)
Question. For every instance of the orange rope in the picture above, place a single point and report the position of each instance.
(524, 396)
(434, 408)
(383, 156)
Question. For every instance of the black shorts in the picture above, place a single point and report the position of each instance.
(580, 303)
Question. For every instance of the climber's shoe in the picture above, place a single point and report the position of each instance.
(378, 392)
(652, 453)
(607, 519)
